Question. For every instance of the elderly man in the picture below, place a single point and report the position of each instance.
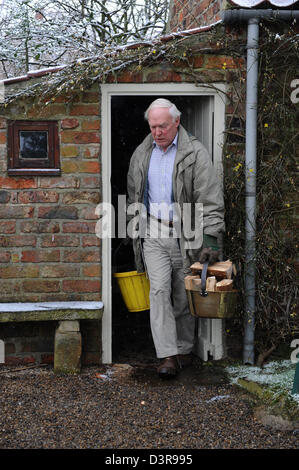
(171, 169)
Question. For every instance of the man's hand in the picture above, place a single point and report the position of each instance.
(208, 255)
(210, 252)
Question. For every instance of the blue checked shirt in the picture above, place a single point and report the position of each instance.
(159, 184)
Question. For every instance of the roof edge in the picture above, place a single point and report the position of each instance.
(168, 37)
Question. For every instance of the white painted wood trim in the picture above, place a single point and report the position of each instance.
(216, 90)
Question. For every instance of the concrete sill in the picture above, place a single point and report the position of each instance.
(50, 311)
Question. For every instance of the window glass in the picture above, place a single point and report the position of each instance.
(33, 144)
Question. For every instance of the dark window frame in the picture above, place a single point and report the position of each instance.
(34, 166)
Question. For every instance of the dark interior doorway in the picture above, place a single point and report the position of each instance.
(131, 336)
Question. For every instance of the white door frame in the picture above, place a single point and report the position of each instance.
(156, 89)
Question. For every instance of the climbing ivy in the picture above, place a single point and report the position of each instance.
(276, 317)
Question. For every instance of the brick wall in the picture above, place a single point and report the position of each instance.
(188, 14)
(49, 250)
(33, 342)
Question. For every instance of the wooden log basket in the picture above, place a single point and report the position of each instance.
(210, 290)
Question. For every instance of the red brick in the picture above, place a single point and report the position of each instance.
(85, 110)
(163, 76)
(198, 62)
(91, 152)
(27, 197)
(33, 256)
(4, 257)
(76, 137)
(41, 286)
(90, 182)
(17, 183)
(10, 272)
(81, 197)
(58, 212)
(81, 286)
(69, 123)
(2, 138)
(16, 212)
(126, 77)
(35, 226)
(60, 271)
(59, 240)
(64, 182)
(216, 62)
(78, 227)
(93, 270)
(60, 99)
(90, 240)
(88, 213)
(90, 125)
(10, 286)
(16, 240)
(81, 256)
(47, 111)
(9, 226)
(89, 167)
(91, 97)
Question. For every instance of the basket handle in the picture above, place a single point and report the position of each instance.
(203, 292)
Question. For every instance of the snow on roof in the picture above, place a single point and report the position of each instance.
(168, 37)
(253, 3)
(176, 34)
(32, 74)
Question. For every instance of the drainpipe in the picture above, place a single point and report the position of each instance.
(250, 186)
(252, 17)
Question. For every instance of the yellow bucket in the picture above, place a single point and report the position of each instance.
(134, 288)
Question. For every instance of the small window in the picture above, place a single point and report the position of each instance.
(33, 148)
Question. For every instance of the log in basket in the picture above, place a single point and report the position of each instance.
(208, 298)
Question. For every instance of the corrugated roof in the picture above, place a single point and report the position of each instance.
(253, 3)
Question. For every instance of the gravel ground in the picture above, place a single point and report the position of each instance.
(129, 407)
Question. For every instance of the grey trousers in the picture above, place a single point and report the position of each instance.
(172, 325)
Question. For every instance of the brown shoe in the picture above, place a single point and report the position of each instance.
(168, 367)
(185, 360)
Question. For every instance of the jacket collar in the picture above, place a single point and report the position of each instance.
(184, 147)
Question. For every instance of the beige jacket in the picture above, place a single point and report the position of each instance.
(194, 180)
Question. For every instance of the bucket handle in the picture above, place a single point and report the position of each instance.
(124, 242)
(203, 292)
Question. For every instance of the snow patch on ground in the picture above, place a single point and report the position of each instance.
(218, 397)
(278, 375)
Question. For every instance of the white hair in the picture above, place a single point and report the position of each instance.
(163, 103)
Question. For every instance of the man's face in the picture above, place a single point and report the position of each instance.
(162, 126)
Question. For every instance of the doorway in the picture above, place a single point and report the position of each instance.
(126, 335)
